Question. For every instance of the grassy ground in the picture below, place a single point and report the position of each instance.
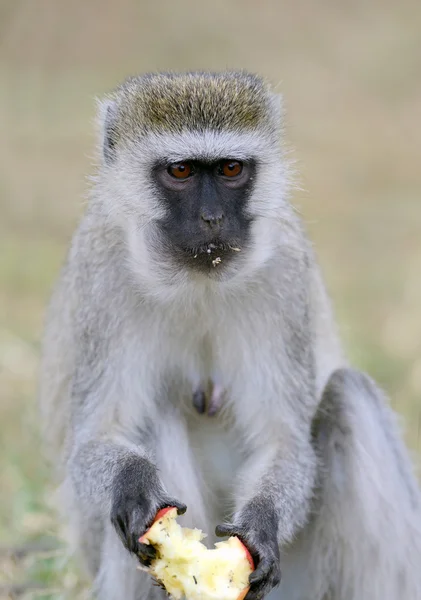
(350, 76)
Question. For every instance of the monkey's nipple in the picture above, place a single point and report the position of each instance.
(199, 400)
(210, 400)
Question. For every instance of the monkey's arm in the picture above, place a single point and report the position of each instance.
(273, 504)
(120, 482)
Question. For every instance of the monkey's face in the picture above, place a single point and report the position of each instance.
(195, 175)
(207, 220)
(198, 206)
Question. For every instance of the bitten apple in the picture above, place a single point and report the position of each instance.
(187, 569)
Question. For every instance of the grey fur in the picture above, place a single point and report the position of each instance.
(193, 102)
(304, 457)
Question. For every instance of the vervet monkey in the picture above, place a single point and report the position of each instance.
(191, 359)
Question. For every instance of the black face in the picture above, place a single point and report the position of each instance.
(207, 223)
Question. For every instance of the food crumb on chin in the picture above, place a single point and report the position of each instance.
(210, 249)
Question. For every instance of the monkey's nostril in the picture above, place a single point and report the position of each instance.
(212, 219)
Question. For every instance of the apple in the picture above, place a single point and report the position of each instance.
(188, 569)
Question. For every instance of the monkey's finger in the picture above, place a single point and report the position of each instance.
(180, 506)
(262, 571)
(225, 530)
(146, 552)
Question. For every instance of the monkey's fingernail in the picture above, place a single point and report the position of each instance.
(181, 508)
(199, 401)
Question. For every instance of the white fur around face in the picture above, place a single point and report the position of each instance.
(129, 199)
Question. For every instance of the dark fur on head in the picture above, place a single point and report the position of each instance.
(172, 102)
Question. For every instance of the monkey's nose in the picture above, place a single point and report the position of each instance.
(213, 219)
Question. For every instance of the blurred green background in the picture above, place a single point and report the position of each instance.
(350, 73)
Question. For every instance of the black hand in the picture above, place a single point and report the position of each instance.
(137, 497)
(257, 528)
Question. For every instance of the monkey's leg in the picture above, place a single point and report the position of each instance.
(365, 540)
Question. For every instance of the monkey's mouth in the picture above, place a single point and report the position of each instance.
(212, 254)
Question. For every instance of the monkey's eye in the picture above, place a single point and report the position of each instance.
(180, 170)
(230, 168)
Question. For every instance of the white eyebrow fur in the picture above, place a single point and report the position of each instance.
(206, 145)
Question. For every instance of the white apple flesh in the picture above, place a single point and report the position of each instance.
(188, 569)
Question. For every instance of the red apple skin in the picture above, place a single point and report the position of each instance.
(158, 516)
(162, 512)
(251, 563)
(248, 555)
(243, 593)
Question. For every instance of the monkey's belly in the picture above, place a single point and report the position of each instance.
(217, 458)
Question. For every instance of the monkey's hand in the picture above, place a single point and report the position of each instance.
(136, 498)
(256, 526)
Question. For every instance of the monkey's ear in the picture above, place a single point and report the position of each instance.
(106, 121)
